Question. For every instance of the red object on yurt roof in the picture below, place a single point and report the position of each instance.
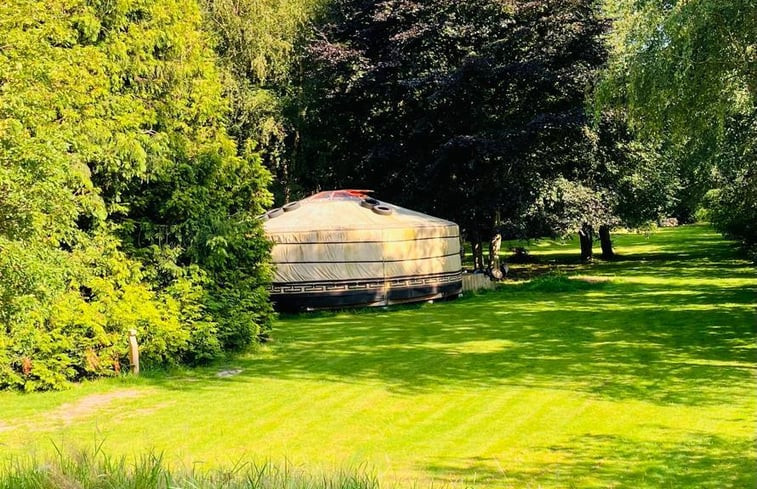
(344, 194)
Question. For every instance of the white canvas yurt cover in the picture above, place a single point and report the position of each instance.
(342, 248)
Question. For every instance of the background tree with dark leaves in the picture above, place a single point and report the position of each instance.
(474, 111)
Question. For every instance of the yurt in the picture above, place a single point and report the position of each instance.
(343, 248)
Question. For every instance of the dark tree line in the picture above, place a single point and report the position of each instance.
(474, 111)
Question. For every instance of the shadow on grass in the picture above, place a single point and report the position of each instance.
(684, 333)
(610, 461)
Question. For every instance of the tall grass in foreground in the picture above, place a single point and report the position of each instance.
(96, 470)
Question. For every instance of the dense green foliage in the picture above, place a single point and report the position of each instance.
(733, 203)
(123, 203)
(258, 43)
(473, 111)
(486, 100)
(481, 99)
(685, 75)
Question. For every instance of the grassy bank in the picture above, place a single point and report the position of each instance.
(635, 373)
(96, 470)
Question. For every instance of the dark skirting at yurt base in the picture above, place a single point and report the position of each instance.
(344, 249)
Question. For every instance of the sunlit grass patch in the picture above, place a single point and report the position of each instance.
(558, 282)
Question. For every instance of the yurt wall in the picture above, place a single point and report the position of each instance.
(342, 248)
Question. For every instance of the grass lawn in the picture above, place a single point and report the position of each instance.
(642, 374)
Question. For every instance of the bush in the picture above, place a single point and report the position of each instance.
(67, 315)
(124, 204)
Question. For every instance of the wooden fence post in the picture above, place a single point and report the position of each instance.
(134, 351)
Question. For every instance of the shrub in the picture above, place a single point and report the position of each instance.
(124, 204)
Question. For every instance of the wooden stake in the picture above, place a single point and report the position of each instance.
(134, 351)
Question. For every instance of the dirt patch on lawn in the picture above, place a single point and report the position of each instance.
(69, 412)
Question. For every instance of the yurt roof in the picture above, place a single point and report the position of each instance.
(342, 210)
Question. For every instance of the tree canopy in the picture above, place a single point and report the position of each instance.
(474, 111)
(258, 43)
(685, 76)
(123, 202)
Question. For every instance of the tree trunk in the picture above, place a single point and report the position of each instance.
(478, 254)
(462, 248)
(494, 246)
(285, 182)
(586, 237)
(606, 242)
(288, 166)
